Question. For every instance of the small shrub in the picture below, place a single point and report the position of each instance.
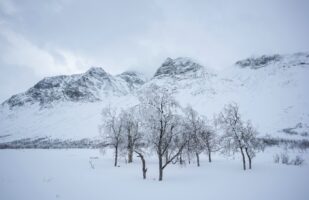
(276, 158)
(285, 158)
(298, 161)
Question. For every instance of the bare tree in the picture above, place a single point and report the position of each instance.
(140, 139)
(252, 144)
(180, 142)
(193, 126)
(163, 123)
(112, 130)
(140, 154)
(210, 140)
(130, 127)
(232, 139)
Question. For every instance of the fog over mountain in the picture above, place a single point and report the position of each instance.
(63, 37)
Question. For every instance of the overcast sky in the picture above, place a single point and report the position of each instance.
(45, 38)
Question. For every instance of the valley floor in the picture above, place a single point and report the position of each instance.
(87, 174)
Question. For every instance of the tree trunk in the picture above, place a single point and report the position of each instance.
(243, 158)
(116, 155)
(160, 167)
(197, 159)
(130, 149)
(188, 152)
(144, 169)
(209, 156)
(180, 159)
(166, 156)
(130, 155)
(249, 158)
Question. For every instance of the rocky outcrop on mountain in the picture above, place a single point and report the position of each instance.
(179, 66)
(133, 79)
(256, 63)
(284, 61)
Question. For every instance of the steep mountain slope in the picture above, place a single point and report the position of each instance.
(271, 90)
(274, 91)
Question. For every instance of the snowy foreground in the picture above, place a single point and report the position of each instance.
(87, 174)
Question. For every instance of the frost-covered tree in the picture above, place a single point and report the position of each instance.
(193, 125)
(202, 137)
(112, 130)
(210, 140)
(180, 142)
(131, 129)
(239, 136)
(232, 139)
(252, 144)
(162, 124)
(139, 140)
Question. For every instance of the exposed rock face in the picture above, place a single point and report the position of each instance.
(256, 63)
(283, 61)
(133, 79)
(178, 66)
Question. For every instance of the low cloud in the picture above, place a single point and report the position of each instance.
(48, 38)
(43, 61)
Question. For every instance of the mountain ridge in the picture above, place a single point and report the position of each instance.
(74, 87)
(275, 97)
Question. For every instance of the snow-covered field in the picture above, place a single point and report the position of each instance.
(68, 174)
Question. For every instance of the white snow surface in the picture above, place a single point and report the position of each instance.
(67, 174)
(274, 96)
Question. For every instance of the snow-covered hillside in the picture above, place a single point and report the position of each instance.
(271, 91)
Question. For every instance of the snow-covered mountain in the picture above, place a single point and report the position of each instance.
(271, 91)
(93, 85)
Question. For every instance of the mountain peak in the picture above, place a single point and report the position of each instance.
(96, 72)
(178, 66)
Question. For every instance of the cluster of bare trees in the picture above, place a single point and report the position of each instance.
(239, 136)
(160, 125)
(201, 135)
(121, 131)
